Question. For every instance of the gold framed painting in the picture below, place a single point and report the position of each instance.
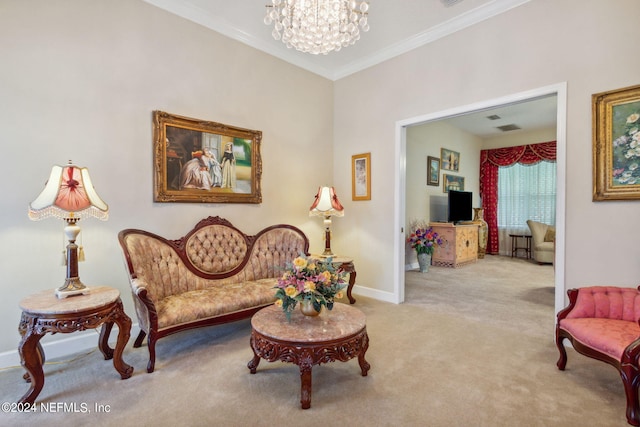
(616, 144)
(361, 176)
(200, 161)
(452, 182)
(433, 171)
(449, 160)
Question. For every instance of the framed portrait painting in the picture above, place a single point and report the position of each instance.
(452, 182)
(361, 177)
(205, 162)
(433, 171)
(616, 144)
(450, 160)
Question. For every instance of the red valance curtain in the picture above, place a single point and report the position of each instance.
(490, 161)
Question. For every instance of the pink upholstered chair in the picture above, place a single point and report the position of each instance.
(602, 323)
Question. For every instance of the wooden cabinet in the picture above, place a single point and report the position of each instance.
(459, 244)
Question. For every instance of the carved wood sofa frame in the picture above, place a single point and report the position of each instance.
(601, 322)
(214, 274)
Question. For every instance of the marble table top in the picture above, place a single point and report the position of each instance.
(344, 320)
(46, 302)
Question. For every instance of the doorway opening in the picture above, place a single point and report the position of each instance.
(559, 90)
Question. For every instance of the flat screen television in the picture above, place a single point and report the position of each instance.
(459, 208)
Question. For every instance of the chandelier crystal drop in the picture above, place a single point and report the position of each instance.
(317, 26)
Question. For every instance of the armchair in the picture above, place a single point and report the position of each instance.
(543, 245)
(601, 322)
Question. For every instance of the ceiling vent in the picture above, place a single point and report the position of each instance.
(507, 128)
(493, 117)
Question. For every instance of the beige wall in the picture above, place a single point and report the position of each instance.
(79, 80)
(541, 43)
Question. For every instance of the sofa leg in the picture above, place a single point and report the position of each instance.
(151, 342)
(138, 341)
(629, 375)
(562, 361)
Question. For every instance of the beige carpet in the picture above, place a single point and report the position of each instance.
(472, 346)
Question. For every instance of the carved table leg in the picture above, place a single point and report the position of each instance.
(350, 268)
(364, 365)
(31, 358)
(305, 384)
(253, 363)
(124, 330)
(103, 342)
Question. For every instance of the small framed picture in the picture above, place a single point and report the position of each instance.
(616, 142)
(450, 160)
(361, 176)
(433, 171)
(452, 182)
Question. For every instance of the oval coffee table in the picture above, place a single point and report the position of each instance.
(339, 334)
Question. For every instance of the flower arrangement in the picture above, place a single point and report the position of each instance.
(311, 280)
(626, 152)
(424, 240)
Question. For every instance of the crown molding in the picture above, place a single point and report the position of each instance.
(191, 12)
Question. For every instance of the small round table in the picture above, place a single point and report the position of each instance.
(44, 313)
(339, 334)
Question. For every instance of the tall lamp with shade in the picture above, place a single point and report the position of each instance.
(69, 195)
(326, 204)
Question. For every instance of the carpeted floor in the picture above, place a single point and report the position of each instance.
(471, 346)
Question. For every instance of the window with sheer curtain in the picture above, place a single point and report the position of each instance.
(524, 192)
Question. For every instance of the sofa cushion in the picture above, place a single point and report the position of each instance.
(205, 303)
(607, 336)
(550, 235)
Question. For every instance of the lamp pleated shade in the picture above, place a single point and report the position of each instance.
(68, 194)
(326, 203)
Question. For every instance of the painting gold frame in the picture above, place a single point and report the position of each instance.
(452, 182)
(200, 161)
(433, 171)
(449, 160)
(361, 176)
(616, 142)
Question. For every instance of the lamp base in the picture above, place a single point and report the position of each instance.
(327, 253)
(72, 286)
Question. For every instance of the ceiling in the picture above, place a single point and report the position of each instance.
(397, 27)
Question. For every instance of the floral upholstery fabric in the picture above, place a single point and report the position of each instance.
(182, 296)
(608, 336)
(202, 304)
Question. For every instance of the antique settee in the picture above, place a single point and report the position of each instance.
(601, 322)
(543, 245)
(212, 275)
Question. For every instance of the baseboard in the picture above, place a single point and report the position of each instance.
(374, 293)
(70, 344)
(412, 266)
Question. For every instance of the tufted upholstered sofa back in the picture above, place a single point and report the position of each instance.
(607, 302)
(214, 253)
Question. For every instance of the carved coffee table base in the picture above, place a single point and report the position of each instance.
(305, 355)
(34, 325)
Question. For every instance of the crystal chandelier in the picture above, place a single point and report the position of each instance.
(317, 26)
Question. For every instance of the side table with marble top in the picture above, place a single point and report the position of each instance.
(44, 313)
